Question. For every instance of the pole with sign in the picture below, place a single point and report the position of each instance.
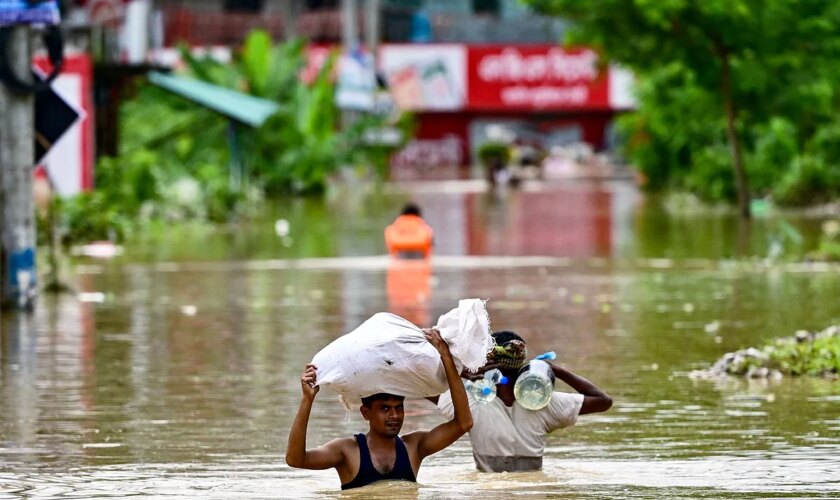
(18, 276)
(17, 151)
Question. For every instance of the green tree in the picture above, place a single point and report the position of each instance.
(299, 147)
(753, 57)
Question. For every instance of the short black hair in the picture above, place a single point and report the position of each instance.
(368, 401)
(411, 209)
(502, 337)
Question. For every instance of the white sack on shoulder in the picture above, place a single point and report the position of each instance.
(467, 331)
(389, 354)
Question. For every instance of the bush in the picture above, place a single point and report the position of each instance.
(93, 217)
(805, 353)
(175, 155)
(491, 153)
(807, 182)
(773, 154)
(676, 121)
(710, 176)
(677, 139)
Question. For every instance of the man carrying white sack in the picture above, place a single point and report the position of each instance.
(381, 454)
(376, 366)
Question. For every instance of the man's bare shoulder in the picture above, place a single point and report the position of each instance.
(341, 443)
(413, 437)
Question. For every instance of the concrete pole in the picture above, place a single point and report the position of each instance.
(290, 12)
(372, 31)
(349, 25)
(17, 208)
(350, 42)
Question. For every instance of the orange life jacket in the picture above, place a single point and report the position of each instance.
(409, 234)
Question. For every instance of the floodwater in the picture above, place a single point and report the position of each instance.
(172, 372)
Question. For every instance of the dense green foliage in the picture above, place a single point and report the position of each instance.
(815, 355)
(172, 166)
(773, 64)
(174, 161)
(491, 152)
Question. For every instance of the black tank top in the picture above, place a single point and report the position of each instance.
(368, 474)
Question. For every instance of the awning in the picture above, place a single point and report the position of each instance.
(244, 108)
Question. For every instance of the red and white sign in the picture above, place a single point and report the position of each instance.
(105, 12)
(70, 160)
(425, 77)
(541, 77)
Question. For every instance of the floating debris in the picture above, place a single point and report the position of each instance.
(282, 227)
(189, 310)
(97, 250)
(92, 297)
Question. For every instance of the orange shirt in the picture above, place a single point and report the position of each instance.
(409, 233)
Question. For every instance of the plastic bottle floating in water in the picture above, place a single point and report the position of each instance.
(535, 385)
(484, 390)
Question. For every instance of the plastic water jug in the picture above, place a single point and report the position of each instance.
(484, 390)
(535, 384)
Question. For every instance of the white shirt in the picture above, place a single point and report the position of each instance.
(513, 438)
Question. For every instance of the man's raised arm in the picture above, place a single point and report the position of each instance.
(445, 434)
(594, 399)
(323, 457)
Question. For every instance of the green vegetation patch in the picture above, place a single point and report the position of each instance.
(805, 353)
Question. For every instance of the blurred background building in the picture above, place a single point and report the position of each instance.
(471, 71)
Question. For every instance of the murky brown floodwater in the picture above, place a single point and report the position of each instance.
(173, 372)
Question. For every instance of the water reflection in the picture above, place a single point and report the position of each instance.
(578, 220)
(182, 381)
(408, 286)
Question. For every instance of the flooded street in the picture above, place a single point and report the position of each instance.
(173, 372)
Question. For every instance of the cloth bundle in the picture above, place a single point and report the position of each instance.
(509, 356)
(389, 354)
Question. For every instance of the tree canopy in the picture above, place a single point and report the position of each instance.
(722, 80)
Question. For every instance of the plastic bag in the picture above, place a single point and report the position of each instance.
(389, 354)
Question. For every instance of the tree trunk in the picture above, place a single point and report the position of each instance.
(741, 182)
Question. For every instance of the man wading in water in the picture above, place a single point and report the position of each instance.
(381, 454)
(506, 436)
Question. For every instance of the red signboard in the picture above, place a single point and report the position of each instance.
(535, 77)
(70, 160)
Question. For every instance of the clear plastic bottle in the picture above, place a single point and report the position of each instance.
(535, 384)
(484, 390)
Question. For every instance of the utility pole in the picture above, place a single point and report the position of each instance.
(372, 35)
(350, 25)
(17, 153)
(350, 44)
(290, 11)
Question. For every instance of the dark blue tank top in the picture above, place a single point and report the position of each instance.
(367, 472)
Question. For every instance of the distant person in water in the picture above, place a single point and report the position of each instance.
(380, 454)
(507, 437)
(409, 237)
